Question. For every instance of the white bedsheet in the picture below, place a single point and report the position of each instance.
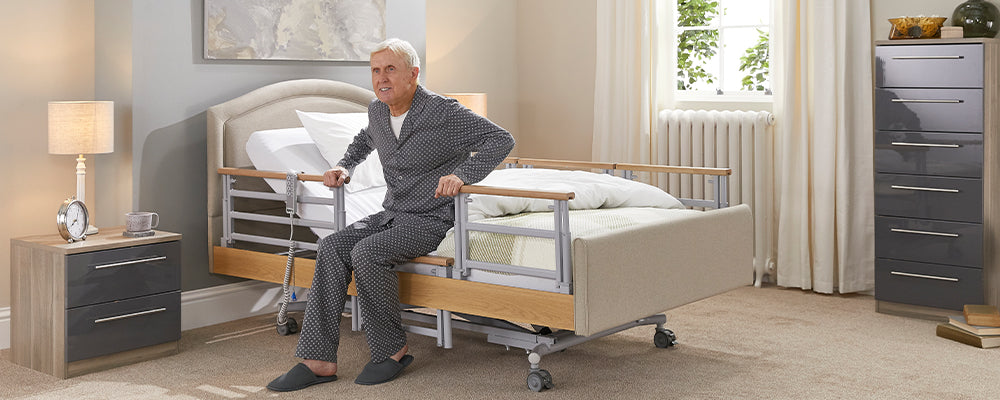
(292, 149)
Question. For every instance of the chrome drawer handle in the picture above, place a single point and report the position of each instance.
(139, 261)
(928, 57)
(950, 146)
(924, 232)
(940, 278)
(925, 189)
(135, 314)
(926, 101)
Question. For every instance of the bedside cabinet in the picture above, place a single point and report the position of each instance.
(100, 303)
(937, 160)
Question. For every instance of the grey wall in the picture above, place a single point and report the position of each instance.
(169, 89)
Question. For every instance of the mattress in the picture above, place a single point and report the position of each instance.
(603, 204)
(292, 149)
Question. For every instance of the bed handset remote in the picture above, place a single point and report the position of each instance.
(291, 192)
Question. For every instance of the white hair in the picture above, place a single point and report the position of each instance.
(400, 48)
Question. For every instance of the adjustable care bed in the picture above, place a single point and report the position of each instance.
(541, 258)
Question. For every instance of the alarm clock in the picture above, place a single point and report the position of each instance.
(72, 220)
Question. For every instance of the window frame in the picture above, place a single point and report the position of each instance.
(719, 95)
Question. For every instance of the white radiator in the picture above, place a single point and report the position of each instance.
(741, 140)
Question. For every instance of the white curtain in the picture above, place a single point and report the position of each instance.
(630, 73)
(823, 102)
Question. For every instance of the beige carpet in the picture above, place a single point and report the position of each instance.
(749, 343)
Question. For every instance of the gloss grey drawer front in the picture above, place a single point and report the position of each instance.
(108, 328)
(942, 110)
(106, 275)
(930, 197)
(929, 285)
(940, 242)
(952, 66)
(927, 153)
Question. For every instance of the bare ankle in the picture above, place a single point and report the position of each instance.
(402, 352)
(321, 368)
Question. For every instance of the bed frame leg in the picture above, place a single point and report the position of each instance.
(355, 314)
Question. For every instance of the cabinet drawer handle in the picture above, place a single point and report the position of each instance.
(924, 232)
(940, 278)
(951, 101)
(928, 57)
(135, 314)
(950, 146)
(925, 189)
(139, 261)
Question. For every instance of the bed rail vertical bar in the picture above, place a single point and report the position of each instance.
(721, 191)
(340, 214)
(227, 208)
(461, 233)
(564, 271)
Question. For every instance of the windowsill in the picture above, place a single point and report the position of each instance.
(724, 99)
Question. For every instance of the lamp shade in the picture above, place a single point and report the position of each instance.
(473, 101)
(81, 127)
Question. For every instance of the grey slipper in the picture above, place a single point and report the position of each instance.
(299, 377)
(383, 372)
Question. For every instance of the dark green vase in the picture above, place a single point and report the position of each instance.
(978, 18)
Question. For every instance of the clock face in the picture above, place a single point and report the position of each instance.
(76, 219)
(73, 220)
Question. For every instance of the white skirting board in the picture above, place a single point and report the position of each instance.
(209, 306)
(4, 327)
(218, 304)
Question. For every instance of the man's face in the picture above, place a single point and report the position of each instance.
(392, 81)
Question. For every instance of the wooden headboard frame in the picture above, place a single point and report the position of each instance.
(270, 107)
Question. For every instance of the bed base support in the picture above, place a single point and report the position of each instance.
(535, 344)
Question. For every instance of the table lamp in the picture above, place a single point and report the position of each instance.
(473, 101)
(81, 127)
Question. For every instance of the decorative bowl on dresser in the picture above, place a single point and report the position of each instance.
(937, 198)
(103, 302)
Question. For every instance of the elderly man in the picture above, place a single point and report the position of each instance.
(424, 141)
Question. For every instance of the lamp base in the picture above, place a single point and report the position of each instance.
(91, 230)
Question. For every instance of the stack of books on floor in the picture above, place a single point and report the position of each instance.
(979, 325)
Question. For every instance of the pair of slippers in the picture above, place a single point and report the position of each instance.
(301, 377)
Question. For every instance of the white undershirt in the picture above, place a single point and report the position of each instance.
(397, 122)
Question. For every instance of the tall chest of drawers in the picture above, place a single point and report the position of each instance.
(936, 169)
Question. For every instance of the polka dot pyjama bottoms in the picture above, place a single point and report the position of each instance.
(371, 248)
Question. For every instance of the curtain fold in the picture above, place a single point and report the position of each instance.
(824, 190)
(630, 74)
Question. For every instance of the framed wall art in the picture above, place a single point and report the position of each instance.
(315, 30)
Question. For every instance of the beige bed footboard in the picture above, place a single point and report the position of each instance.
(628, 275)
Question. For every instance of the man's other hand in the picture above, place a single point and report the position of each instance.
(448, 186)
(335, 177)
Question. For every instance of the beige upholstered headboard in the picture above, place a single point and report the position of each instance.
(270, 107)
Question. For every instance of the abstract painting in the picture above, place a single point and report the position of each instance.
(328, 30)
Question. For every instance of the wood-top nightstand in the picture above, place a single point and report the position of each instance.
(100, 303)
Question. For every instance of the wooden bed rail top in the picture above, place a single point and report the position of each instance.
(538, 162)
(621, 166)
(268, 174)
(673, 169)
(534, 194)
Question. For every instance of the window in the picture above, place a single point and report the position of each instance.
(723, 47)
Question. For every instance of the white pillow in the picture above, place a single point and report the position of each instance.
(333, 132)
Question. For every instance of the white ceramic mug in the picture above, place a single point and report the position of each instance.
(141, 221)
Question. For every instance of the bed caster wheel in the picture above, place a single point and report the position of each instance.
(289, 328)
(540, 380)
(664, 338)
